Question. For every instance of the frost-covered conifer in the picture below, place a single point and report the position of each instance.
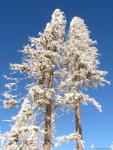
(82, 64)
(59, 66)
(41, 57)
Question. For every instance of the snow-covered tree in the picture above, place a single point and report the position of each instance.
(58, 67)
(81, 59)
(41, 57)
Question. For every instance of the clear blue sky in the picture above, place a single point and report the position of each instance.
(22, 18)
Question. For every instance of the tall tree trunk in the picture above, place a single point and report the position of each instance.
(47, 138)
(48, 118)
(78, 125)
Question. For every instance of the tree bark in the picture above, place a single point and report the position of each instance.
(48, 118)
(78, 125)
(47, 138)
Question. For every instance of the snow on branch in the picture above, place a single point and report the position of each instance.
(70, 137)
(10, 103)
(18, 67)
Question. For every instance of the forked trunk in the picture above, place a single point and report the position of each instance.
(48, 118)
(78, 125)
